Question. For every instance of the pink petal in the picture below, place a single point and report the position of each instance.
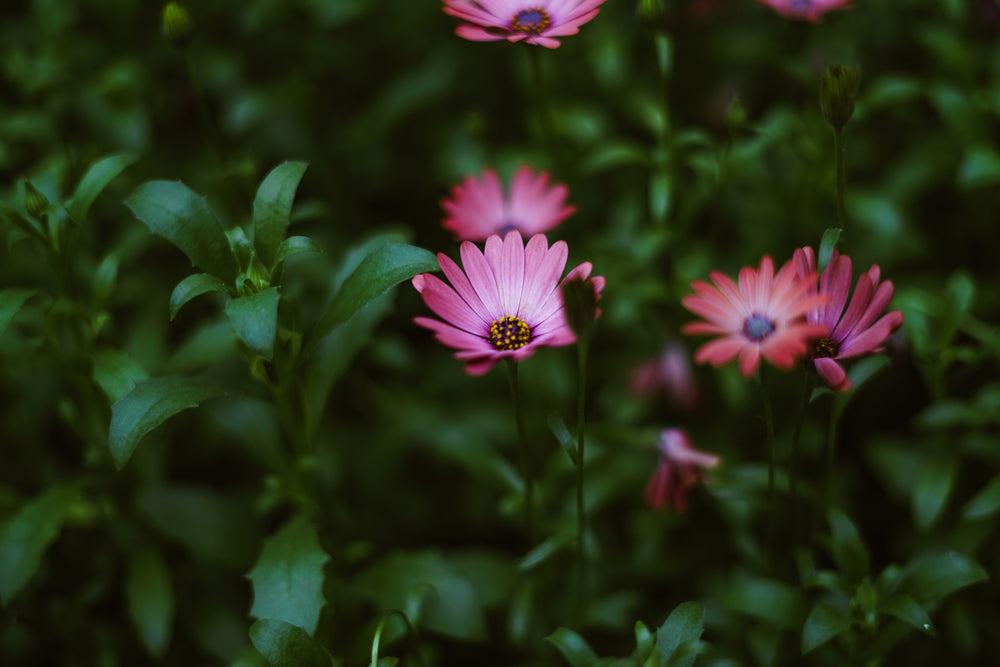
(461, 283)
(511, 272)
(450, 307)
(482, 279)
(720, 351)
(749, 359)
(833, 374)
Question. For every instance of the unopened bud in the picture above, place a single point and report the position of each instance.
(35, 202)
(651, 12)
(837, 91)
(177, 25)
(580, 300)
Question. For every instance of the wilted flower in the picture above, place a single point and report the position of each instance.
(763, 317)
(806, 10)
(669, 373)
(853, 333)
(505, 304)
(531, 21)
(679, 469)
(478, 207)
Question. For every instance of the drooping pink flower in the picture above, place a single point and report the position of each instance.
(854, 332)
(805, 10)
(478, 207)
(763, 317)
(670, 373)
(679, 469)
(505, 304)
(532, 21)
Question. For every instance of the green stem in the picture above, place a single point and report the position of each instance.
(807, 387)
(838, 149)
(545, 114)
(206, 115)
(529, 486)
(769, 425)
(581, 519)
(831, 449)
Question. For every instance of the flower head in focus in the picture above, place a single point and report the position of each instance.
(805, 10)
(506, 303)
(679, 469)
(531, 21)
(763, 316)
(478, 207)
(670, 373)
(852, 333)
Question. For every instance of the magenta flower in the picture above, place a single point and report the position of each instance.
(763, 317)
(505, 304)
(853, 333)
(670, 373)
(805, 10)
(679, 469)
(533, 21)
(478, 208)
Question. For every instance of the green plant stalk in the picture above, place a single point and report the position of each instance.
(769, 426)
(807, 387)
(206, 116)
(545, 114)
(529, 485)
(831, 448)
(838, 149)
(581, 518)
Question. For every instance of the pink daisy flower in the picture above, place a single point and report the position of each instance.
(478, 207)
(680, 468)
(853, 333)
(670, 373)
(533, 21)
(763, 317)
(805, 10)
(505, 304)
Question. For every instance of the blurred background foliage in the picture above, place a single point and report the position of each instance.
(704, 154)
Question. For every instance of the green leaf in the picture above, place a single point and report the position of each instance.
(907, 610)
(826, 247)
(295, 245)
(272, 209)
(659, 196)
(823, 624)
(286, 645)
(685, 624)
(11, 301)
(117, 373)
(288, 577)
(193, 286)
(172, 210)
(563, 437)
(932, 488)
(150, 596)
(848, 549)
(932, 578)
(546, 550)
(94, 181)
(150, 404)
(772, 601)
(980, 168)
(573, 647)
(25, 538)
(984, 504)
(255, 319)
(384, 268)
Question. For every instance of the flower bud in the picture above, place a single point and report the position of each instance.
(837, 91)
(177, 25)
(652, 12)
(580, 299)
(35, 202)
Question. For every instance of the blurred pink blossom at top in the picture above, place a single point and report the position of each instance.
(670, 373)
(805, 10)
(531, 21)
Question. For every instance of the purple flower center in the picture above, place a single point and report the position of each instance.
(509, 227)
(509, 333)
(531, 21)
(757, 327)
(826, 347)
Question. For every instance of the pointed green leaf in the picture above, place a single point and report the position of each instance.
(907, 610)
(25, 224)
(826, 247)
(984, 504)
(848, 549)
(772, 601)
(150, 404)
(286, 645)
(823, 624)
(255, 319)
(932, 578)
(295, 245)
(105, 277)
(172, 210)
(272, 208)
(684, 625)
(11, 301)
(573, 647)
(117, 373)
(94, 181)
(384, 268)
(193, 286)
(659, 196)
(150, 594)
(288, 577)
(25, 538)
(932, 488)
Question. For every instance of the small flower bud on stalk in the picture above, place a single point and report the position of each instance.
(837, 91)
(177, 25)
(580, 299)
(35, 202)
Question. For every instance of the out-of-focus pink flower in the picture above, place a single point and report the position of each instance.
(531, 21)
(805, 10)
(478, 208)
(854, 332)
(679, 469)
(669, 373)
(505, 304)
(763, 317)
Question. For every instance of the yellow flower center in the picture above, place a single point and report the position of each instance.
(509, 333)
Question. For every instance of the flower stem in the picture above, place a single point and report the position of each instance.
(769, 425)
(807, 387)
(529, 485)
(581, 519)
(831, 448)
(838, 149)
(545, 114)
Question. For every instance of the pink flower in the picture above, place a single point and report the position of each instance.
(806, 10)
(533, 21)
(669, 373)
(478, 208)
(505, 304)
(679, 469)
(763, 317)
(853, 333)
